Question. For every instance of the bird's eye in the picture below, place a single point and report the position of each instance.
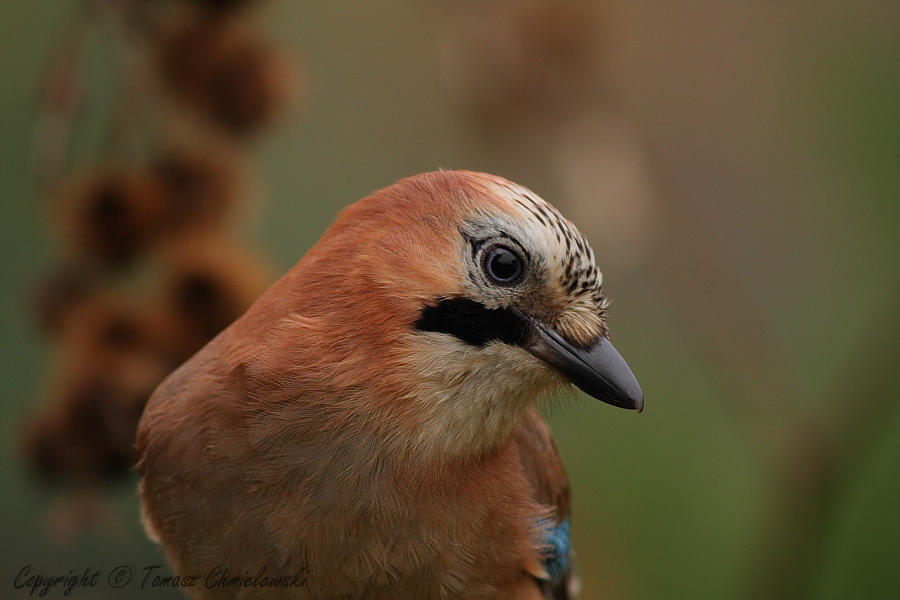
(502, 265)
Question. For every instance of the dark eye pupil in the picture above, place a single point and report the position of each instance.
(503, 265)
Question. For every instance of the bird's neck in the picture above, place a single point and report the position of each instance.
(464, 403)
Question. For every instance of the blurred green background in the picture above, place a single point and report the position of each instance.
(736, 166)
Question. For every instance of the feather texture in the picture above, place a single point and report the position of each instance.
(327, 433)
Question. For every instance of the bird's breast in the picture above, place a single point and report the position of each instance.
(439, 531)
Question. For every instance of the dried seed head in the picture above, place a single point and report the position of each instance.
(226, 74)
(85, 433)
(111, 215)
(111, 358)
(58, 294)
(200, 187)
(107, 326)
(208, 284)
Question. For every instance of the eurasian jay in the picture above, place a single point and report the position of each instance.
(369, 427)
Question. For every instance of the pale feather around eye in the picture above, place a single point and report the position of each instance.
(560, 255)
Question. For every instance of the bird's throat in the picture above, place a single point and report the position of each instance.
(468, 399)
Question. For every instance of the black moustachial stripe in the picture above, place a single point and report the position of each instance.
(473, 322)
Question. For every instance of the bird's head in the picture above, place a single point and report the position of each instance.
(476, 294)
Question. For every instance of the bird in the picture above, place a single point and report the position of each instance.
(371, 426)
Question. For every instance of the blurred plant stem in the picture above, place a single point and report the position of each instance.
(820, 462)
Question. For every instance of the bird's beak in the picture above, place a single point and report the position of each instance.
(599, 370)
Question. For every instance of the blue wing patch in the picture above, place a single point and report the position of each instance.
(557, 546)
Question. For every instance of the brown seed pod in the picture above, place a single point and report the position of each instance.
(107, 326)
(112, 355)
(111, 215)
(58, 294)
(223, 72)
(207, 284)
(200, 187)
(85, 433)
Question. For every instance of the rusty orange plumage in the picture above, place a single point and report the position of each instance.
(371, 421)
